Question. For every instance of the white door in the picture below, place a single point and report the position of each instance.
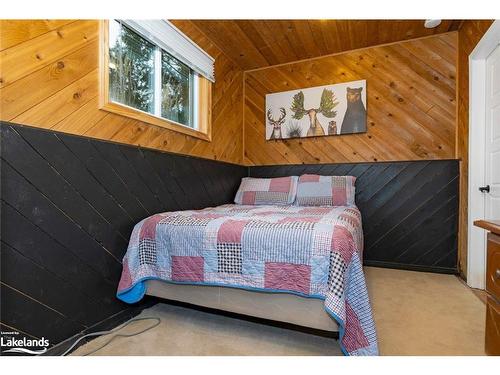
(484, 148)
(492, 131)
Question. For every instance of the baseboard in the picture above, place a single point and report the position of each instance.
(410, 267)
(107, 324)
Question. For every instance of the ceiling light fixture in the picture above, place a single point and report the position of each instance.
(430, 24)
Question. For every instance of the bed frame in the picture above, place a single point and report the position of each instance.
(277, 309)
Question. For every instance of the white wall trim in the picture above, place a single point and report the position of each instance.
(476, 244)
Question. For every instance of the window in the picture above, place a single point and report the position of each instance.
(143, 79)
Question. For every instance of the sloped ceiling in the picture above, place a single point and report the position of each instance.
(254, 44)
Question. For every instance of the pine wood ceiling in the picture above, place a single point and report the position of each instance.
(258, 43)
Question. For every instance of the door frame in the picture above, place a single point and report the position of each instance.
(476, 260)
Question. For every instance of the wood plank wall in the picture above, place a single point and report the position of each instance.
(469, 35)
(411, 104)
(409, 209)
(49, 79)
(68, 206)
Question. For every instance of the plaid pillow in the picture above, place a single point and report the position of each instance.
(316, 190)
(257, 191)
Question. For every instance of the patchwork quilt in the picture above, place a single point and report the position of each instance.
(313, 252)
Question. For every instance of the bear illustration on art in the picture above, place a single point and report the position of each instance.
(355, 115)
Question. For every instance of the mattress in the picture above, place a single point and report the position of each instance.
(308, 252)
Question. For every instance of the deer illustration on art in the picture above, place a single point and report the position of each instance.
(276, 124)
(327, 103)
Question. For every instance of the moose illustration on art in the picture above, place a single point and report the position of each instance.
(329, 110)
(327, 103)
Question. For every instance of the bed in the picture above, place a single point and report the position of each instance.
(297, 264)
(297, 312)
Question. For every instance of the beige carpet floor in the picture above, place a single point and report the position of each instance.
(415, 313)
(419, 313)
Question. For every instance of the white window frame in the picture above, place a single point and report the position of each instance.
(169, 38)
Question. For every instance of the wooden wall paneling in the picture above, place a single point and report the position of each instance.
(66, 70)
(410, 104)
(17, 31)
(56, 292)
(409, 69)
(110, 125)
(23, 196)
(83, 166)
(439, 189)
(69, 205)
(84, 119)
(21, 95)
(60, 105)
(135, 183)
(442, 79)
(151, 179)
(21, 156)
(47, 252)
(409, 209)
(403, 77)
(392, 97)
(44, 49)
(469, 35)
(48, 323)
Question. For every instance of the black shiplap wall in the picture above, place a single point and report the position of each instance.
(409, 209)
(68, 206)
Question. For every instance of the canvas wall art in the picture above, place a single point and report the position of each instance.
(317, 111)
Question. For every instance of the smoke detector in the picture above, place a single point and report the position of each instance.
(430, 24)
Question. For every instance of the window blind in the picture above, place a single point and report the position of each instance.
(172, 40)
